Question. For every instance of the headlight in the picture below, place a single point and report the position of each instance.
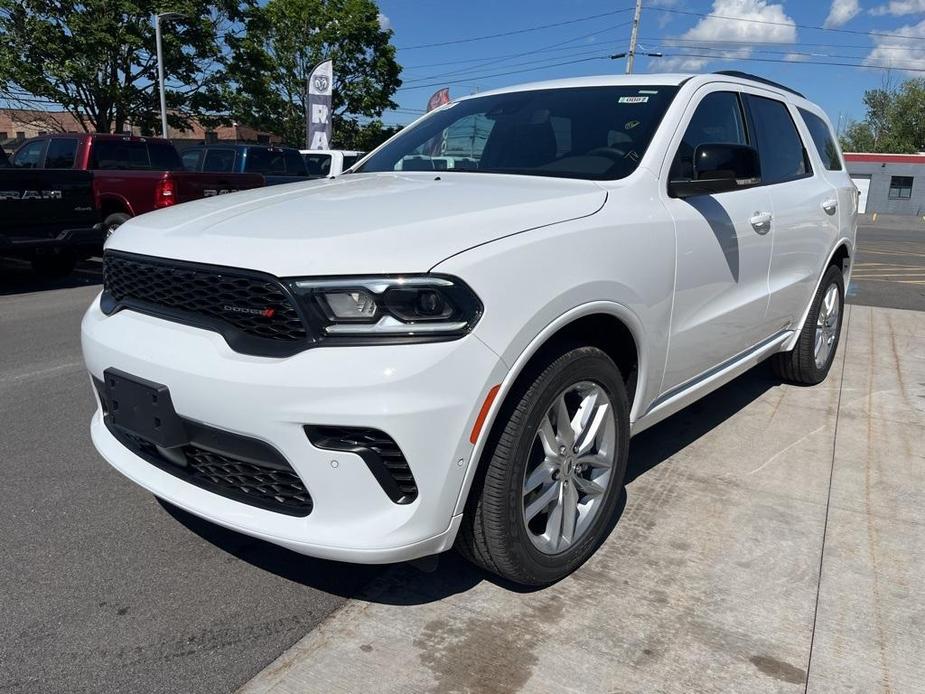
(415, 308)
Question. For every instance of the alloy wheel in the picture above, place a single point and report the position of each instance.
(827, 323)
(569, 469)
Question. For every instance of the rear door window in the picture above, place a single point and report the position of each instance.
(61, 153)
(219, 161)
(191, 158)
(30, 156)
(718, 120)
(783, 157)
(823, 139)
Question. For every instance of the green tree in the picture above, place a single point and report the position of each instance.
(97, 59)
(267, 75)
(894, 122)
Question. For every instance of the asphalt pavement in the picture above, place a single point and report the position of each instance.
(889, 269)
(105, 589)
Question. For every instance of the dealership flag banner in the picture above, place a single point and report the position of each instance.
(320, 87)
(439, 97)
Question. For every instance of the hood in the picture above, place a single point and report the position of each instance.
(357, 224)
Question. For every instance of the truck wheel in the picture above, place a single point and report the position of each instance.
(554, 469)
(113, 222)
(54, 265)
(808, 363)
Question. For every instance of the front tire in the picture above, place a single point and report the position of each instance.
(554, 470)
(808, 363)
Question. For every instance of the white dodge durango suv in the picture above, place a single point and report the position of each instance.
(381, 366)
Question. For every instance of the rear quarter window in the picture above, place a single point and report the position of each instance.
(823, 139)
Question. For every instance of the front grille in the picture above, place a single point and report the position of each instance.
(250, 304)
(378, 450)
(274, 487)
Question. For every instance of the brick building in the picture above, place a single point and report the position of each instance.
(18, 124)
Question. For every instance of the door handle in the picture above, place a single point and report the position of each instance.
(761, 222)
(830, 206)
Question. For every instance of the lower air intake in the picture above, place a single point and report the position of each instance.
(378, 450)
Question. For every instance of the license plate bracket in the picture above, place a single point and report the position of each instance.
(143, 408)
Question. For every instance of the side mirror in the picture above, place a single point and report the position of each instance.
(718, 169)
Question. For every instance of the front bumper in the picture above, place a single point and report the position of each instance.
(425, 396)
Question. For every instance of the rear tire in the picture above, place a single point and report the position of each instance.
(113, 222)
(808, 363)
(536, 459)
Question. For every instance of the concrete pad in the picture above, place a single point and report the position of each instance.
(870, 628)
(709, 580)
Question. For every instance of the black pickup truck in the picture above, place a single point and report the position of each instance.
(48, 217)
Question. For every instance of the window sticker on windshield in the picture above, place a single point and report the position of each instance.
(631, 124)
(633, 99)
(648, 91)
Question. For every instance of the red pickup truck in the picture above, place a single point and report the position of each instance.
(131, 175)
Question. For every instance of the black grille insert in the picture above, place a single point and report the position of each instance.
(254, 312)
(231, 465)
(378, 450)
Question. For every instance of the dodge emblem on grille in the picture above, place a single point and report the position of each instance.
(265, 312)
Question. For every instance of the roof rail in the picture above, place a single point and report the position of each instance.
(756, 78)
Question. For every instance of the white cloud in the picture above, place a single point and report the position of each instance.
(384, 22)
(900, 7)
(842, 12)
(903, 53)
(768, 24)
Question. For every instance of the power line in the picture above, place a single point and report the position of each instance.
(787, 24)
(514, 32)
(677, 40)
(470, 78)
(551, 48)
(576, 54)
(799, 62)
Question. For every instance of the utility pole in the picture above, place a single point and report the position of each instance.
(631, 54)
(160, 66)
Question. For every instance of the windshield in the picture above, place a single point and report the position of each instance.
(579, 132)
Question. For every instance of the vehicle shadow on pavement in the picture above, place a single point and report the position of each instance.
(17, 277)
(435, 579)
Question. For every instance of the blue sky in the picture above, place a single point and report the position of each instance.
(784, 40)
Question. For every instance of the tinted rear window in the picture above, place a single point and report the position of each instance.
(164, 157)
(823, 139)
(118, 155)
(127, 155)
(265, 161)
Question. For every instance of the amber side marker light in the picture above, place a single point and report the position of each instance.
(483, 413)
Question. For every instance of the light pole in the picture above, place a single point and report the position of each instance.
(160, 66)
